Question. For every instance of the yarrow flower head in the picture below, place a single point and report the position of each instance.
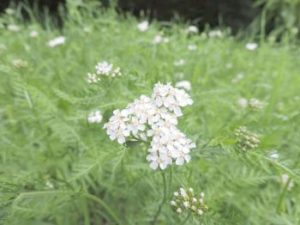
(103, 69)
(34, 34)
(192, 47)
(251, 46)
(158, 39)
(95, 117)
(57, 41)
(246, 140)
(185, 200)
(143, 26)
(192, 29)
(13, 28)
(155, 117)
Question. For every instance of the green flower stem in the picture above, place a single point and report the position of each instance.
(163, 200)
(105, 206)
(186, 219)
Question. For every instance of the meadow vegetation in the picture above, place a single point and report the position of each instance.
(59, 167)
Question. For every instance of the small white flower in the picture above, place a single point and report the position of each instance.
(179, 210)
(13, 28)
(243, 102)
(285, 179)
(215, 34)
(33, 34)
(186, 204)
(173, 203)
(57, 41)
(10, 11)
(251, 46)
(105, 68)
(192, 47)
(238, 78)
(184, 84)
(192, 29)
(95, 117)
(179, 62)
(158, 39)
(274, 155)
(200, 212)
(143, 26)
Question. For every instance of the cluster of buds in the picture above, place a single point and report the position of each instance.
(246, 140)
(256, 104)
(19, 63)
(103, 68)
(187, 201)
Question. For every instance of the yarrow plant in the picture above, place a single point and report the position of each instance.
(103, 69)
(186, 201)
(155, 118)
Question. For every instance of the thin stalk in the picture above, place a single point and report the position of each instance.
(163, 200)
(104, 205)
(282, 195)
(186, 219)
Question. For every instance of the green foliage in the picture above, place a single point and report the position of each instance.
(280, 17)
(58, 169)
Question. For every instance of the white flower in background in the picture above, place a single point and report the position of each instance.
(184, 84)
(92, 78)
(57, 41)
(251, 46)
(156, 118)
(95, 117)
(13, 28)
(256, 104)
(286, 180)
(10, 11)
(192, 29)
(107, 69)
(87, 29)
(33, 34)
(242, 102)
(158, 39)
(192, 47)
(179, 62)
(215, 34)
(103, 69)
(143, 26)
(273, 154)
(238, 78)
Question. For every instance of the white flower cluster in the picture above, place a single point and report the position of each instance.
(155, 117)
(57, 41)
(185, 200)
(158, 39)
(251, 46)
(254, 104)
(103, 68)
(143, 26)
(95, 117)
